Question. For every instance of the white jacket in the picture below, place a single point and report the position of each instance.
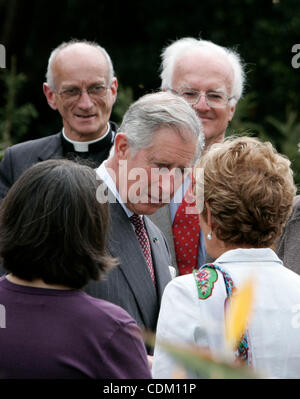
(274, 327)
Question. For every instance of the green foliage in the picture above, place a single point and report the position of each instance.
(198, 362)
(288, 133)
(264, 40)
(283, 134)
(14, 120)
(242, 123)
(124, 99)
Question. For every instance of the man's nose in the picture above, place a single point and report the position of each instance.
(175, 180)
(169, 182)
(85, 101)
(201, 105)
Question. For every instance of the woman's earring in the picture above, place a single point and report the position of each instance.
(209, 236)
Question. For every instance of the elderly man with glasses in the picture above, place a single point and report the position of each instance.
(211, 79)
(82, 87)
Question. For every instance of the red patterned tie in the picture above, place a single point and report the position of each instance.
(142, 236)
(186, 233)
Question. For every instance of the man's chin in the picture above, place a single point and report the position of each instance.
(147, 209)
(154, 207)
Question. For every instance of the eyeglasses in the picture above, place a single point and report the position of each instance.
(213, 99)
(74, 93)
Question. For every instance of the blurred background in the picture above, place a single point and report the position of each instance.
(134, 33)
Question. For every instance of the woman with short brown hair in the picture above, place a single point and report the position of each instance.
(248, 193)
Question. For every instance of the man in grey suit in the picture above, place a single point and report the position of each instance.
(160, 136)
(211, 79)
(82, 87)
(288, 247)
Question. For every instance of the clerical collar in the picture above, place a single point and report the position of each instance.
(89, 146)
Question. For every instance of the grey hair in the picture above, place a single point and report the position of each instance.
(171, 54)
(62, 46)
(161, 110)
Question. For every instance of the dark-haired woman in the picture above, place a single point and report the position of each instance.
(52, 241)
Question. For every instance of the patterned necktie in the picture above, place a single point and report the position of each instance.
(142, 236)
(243, 352)
(186, 233)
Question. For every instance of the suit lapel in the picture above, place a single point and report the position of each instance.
(124, 244)
(53, 150)
(162, 219)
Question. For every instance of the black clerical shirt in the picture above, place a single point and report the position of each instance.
(97, 152)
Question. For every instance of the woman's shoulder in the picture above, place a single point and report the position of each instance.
(109, 312)
(182, 282)
(197, 285)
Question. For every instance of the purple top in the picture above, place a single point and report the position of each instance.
(49, 333)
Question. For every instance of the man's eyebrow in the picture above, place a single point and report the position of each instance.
(219, 90)
(158, 162)
(95, 83)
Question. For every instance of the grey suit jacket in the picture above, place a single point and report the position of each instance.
(130, 285)
(22, 156)
(162, 219)
(288, 247)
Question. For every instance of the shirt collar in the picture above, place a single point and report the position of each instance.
(248, 255)
(102, 172)
(83, 146)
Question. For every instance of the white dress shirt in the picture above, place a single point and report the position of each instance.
(274, 326)
(104, 175)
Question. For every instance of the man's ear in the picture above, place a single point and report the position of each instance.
(231, 112)
(122, 149)
(114, 89)
(50, 96)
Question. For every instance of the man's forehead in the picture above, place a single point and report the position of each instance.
(75, 63)
(80, 49)
(201, 68)
(79, 56)
(173, 156)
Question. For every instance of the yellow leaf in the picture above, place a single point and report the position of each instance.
(238, 312)
(179, 374)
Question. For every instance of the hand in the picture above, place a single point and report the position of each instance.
(150, 361)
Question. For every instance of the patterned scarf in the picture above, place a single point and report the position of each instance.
(205, 278)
